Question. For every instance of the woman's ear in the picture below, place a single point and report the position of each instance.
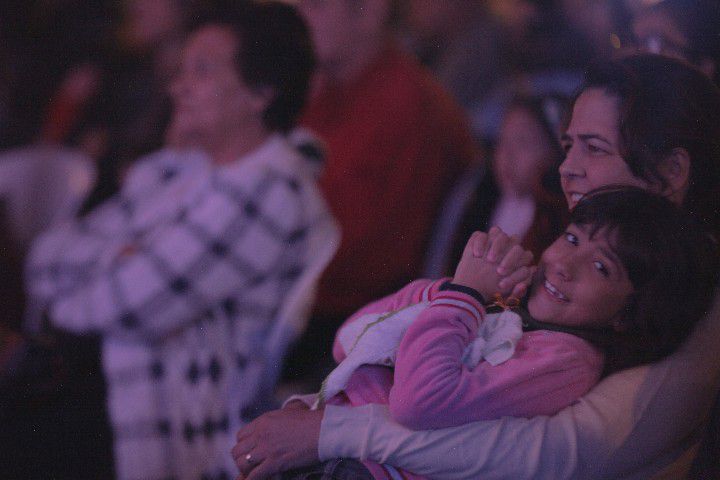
(675, 170)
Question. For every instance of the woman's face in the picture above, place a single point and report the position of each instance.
(592, 148)
(523, 153)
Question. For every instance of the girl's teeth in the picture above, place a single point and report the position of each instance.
(554, 291)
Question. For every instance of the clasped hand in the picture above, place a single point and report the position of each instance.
(494, 263)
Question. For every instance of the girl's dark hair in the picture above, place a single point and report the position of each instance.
(670, 261)
(275, 51)
(665, 104)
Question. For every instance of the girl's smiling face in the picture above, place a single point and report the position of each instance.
(581, 282)
(592, 146)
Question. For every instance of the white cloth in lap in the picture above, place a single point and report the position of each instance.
(373, 339)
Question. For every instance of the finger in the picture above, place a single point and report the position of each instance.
(242, 447)
(245, 431)
(512, 260)
(519, 275)
(498, 247)
(246, 466)
(263, 470)
(522, 274)
(238, 452)
(527, 258)
(479, 244)
(519, 290)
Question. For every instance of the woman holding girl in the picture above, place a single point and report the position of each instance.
(643, 121)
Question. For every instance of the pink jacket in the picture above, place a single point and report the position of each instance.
(431, 388)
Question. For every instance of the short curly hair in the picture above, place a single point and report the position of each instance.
(275, 51)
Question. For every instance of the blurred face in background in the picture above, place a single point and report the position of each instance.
(345, 32)
(148, 22)
(333, 25)
(211, 101)
(523, 153)
(655, 31)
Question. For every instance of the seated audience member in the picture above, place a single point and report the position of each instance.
(521, 194)
(645, 121)
(607, 294)
(687, 29)
(395, 144)
(183, 272)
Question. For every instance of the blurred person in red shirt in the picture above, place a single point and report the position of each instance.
(395, 143)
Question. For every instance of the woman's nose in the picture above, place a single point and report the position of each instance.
(572, 165)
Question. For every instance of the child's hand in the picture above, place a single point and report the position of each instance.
(493, 263)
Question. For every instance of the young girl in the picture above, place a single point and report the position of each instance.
(618, 288)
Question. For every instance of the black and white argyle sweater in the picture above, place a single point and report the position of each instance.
(182, 274)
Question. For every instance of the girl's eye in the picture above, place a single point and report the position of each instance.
(601, 268)
(571, 238)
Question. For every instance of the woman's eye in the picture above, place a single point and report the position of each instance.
(203, 68)
(601, 268)
(595, 149)
(571, 238)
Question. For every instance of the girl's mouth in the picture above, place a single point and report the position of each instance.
(575, 197)
(554, 292)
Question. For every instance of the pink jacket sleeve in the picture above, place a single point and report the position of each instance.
(432, 389)
(410, 294)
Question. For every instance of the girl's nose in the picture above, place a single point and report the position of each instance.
(563, 267)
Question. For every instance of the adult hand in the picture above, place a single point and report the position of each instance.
(278, 441)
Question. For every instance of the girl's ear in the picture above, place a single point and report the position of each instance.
(675, 169)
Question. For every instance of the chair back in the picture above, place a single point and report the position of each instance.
(294, 312)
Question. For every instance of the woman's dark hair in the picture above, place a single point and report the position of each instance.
(665, 104)
(670, 261)
(275, 51)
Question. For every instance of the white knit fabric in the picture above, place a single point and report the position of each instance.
(183, 274)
